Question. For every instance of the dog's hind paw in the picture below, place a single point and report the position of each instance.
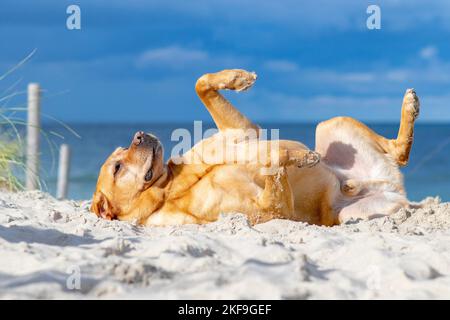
(411, 103)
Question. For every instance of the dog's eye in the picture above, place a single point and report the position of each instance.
(149, 175)
(117, 167)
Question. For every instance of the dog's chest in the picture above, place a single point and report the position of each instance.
(223, 190)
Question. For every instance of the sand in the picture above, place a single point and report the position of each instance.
(57, 249)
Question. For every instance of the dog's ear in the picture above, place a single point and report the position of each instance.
(101, 206)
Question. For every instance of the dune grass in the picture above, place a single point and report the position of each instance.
(11, 159)
(12, 149)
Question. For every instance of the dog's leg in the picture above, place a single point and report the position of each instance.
(224, 114)
(263, 153)
(401, 147)
(276, 201)
(398, 148)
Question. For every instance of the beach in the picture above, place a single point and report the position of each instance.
(54, 249)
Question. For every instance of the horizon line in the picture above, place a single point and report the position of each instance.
(159, 123)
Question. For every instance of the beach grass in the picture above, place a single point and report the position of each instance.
(11, 159)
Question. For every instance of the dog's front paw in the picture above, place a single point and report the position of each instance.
(304, 159)
(310, 159)
(237, 79)
(411, 103)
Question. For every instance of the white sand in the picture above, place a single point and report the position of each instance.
(43, 242)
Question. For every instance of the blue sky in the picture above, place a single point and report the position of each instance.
(137, 61)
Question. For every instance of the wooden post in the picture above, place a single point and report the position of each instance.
(63, 172)
(33, 129)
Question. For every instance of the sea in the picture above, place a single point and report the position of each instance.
(427, 174)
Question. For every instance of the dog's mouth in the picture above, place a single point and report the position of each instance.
(147, 149)
(154, 171)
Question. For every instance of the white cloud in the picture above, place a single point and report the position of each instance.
(281, 66)
(179, 59)
(172, 55)
(321, 107)
(428, 53)
(298, 108)
(358, 77)
(377, 76)
(397, 75)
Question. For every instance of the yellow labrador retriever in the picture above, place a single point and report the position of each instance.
(353, 172)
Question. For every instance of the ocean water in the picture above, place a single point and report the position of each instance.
(427, 174)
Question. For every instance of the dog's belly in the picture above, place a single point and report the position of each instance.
(233, 189)
(354, 156)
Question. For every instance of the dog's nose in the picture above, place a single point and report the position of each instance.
(138, 138)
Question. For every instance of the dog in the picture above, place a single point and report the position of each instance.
(353, 173)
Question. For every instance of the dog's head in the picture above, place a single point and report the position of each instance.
(126, 174)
